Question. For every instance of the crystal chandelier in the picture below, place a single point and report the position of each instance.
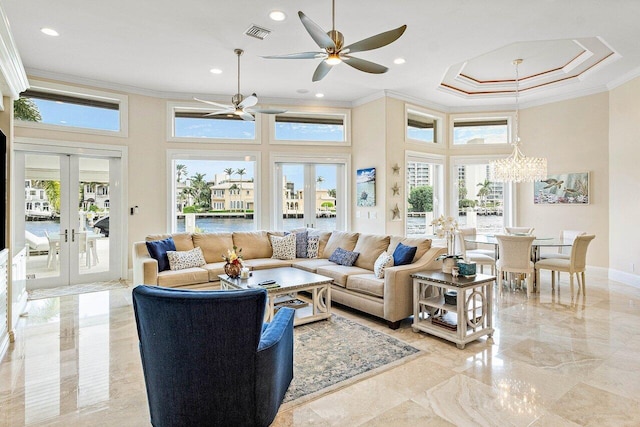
(517, 167)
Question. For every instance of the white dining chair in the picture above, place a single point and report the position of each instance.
(519, 230)
(564, 252)
(515, 257)
(479, 258)
(577, 263)
(470, 247)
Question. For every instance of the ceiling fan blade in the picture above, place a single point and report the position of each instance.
(266, 111)
(301, 55)
(214, 103)
(317, 34)
(246, 116)
(249, 101)
(321, 71)
(218, 113)
(376, 41)
(363, 65)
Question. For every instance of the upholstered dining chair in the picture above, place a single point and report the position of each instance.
(564, 252)
(515, 257)
(519, 230)
(577, 263)
(208, 359)
(480, 259)
(470, 247)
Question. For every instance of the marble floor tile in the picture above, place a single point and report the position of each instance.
(556, 359)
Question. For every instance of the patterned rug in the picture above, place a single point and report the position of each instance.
(75, 289)
(332, 354)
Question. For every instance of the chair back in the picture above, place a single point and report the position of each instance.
(515, 251)
(579, 251)
(461, 234)
(519, 230)
(568, 236)
(199, 351)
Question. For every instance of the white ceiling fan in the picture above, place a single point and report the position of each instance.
(334, 51)
(241, 106)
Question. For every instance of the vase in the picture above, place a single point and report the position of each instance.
(232, 270)
(448, 264)
(451, 244)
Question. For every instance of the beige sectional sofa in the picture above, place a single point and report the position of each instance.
(356, 286)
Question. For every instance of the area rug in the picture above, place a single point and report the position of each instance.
(332, 354)
(76, 289)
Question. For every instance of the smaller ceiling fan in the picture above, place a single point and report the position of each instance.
(241, 106)
(334, 50)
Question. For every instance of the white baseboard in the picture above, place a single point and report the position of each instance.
(626, 278)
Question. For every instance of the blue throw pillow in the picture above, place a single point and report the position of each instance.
(158, 251)
(301, 243)
(404, 254)
(344, 257)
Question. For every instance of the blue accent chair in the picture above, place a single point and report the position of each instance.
(207, 358)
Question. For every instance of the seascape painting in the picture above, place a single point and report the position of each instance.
(565, 189)
(366, 187)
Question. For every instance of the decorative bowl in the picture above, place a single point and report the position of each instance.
(451, 297)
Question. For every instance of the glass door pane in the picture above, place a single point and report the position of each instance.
(326, 200)
(480, 201)
(424, 195)
(293, 197)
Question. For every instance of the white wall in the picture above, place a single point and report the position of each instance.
(624, 187)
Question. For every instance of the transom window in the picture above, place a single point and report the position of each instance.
(306, 127)
(193, 122)
(423, 127)
(480, 130)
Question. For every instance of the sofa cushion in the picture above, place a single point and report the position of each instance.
(370, 247)
(339, 239)
(283, 247)
(214, 269)
(423, 245)
(264, 263)
(189, 276)
(339, 273)
(344, 257)
(310, 264)
(158, 251)
(213, 245)
(179, 260)
(312, 246)
(182, 241)
(254, 244)
(384, 260)
(404, 254)
(366, 284)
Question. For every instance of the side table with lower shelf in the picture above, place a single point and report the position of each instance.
(469, 319)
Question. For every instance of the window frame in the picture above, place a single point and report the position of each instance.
(173, 106)
(343, 112)
(509, 116)
(439, 132)
(174, 155)
(440, 193)
(82, 93)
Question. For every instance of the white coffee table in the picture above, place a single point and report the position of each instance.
(291, 281)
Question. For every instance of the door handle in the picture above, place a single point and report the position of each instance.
(66, 235)
(73, 235)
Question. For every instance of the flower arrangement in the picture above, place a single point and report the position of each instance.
(233, 256)
(445, 228)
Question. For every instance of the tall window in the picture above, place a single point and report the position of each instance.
(214, 193)
(425, 191)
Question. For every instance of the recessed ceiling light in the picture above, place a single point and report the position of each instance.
(319, 95)
(399, 61)
(277, 15)
(302, 91)
(216, 71)
(49, 32)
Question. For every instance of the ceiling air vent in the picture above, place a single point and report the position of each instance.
(257, 32)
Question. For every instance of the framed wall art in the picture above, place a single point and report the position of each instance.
(366, 187)
(562, 189)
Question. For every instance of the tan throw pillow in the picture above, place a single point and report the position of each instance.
(179, 260)
(213, 245)
(283, 247)
(370, 247)
(254, 244)
(384, 260)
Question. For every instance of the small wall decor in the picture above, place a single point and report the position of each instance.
(395, 212)
(564, 188)
(366, 187)
(396, 169)
(395, 189)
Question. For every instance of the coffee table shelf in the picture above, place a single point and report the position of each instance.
(469, 319)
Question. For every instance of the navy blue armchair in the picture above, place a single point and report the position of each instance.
(207, 358)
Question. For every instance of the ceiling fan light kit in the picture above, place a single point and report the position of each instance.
(334, 52)
(241, 106)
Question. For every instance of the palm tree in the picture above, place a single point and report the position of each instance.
(229, 172)
(181, 170)
(26, 109)
(485, 190)
(241, 172)
(320, 180)
(200, 190)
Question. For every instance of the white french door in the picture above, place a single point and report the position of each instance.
(64, 203)
(310, 194)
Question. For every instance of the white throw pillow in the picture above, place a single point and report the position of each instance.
(313, 242)
(283, 247)
(384, 260)
(179, 260)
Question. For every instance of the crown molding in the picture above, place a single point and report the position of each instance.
(624, 79)
(14, 78)
(419, 102)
